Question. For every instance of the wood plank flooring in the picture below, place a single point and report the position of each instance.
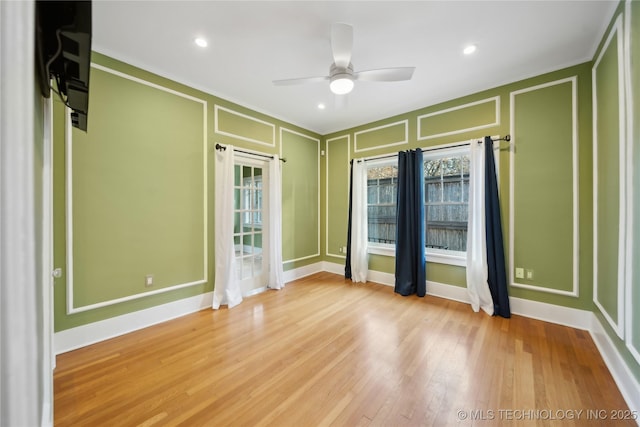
(324, 351)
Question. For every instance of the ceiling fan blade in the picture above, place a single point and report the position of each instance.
(385, 74)
(341, 44)
(302, 80)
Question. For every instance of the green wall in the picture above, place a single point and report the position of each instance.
(141, 181)
(607, 169)
(138, 185)
(617, 297)
(337, 196)
(543, 180)
(300, 184)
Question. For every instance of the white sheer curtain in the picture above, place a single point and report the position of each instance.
(359, 223)
(226, 287)
(276, 280)
(477, 270)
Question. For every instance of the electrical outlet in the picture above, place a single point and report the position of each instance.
(148, 280)
(529, 274)
(344, 249)
(519, 273)
(340, 249)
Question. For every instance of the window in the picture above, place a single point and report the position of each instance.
(251, 188)
(446, 210)
(382, 185)
(446, 189)
(248, 231)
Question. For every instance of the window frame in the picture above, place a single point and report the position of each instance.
(433, 255)
(445, 256)
(248, 193)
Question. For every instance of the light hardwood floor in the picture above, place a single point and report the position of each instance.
(324, 351)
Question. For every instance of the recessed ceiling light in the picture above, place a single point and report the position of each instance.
(469, 49)
(321, 106)
(201, 42)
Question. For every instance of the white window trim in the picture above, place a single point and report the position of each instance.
(432, 255)
(384, 249)
(437, 256)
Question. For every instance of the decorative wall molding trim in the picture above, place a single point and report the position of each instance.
(496, 122)
(71, 308)
(289, 261)
(574, 292)
(218, 108)
(630, 197)
(403, 141)
(617, 324)
(317, 141)
(327, 251)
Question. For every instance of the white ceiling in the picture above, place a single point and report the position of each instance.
(252, 43)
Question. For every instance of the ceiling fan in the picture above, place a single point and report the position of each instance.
(341, 75)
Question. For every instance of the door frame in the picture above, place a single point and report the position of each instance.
(257, 162)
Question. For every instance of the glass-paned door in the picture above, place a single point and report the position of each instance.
(249, 220)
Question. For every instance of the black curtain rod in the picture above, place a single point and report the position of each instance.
(505, 138)
(222, 148)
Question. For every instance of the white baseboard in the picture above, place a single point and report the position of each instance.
(382, 278)
(81, 336)
(332, 267)
(566, 316)
(299, 273)
(628, 385)
(455, 293)
(47, 415)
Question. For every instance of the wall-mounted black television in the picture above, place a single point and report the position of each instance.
(63, 53)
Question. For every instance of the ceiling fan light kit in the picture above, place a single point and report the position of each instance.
(341, 79)
(341, 85)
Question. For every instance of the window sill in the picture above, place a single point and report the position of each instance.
(458, 260)
(384, 250)
(439, 258)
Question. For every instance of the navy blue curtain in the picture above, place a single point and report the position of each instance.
(347, 264)
(410, 259)
(495, 244)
